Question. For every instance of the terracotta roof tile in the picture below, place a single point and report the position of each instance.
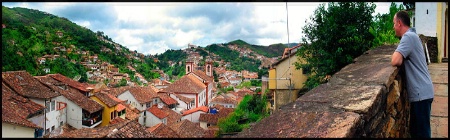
(225, 100)
(71, 82)
(173, 117)
(131, 130)
(186, 84)
(120, 107)
(143, 94)
(184, 99)
(188, 129)
(108, 100)
(116, 91)
(167, 99)
(26, 85)
(214, 118)
(17, 109)
(163, 131)
(70, 93)
(131, 114)
(117, 120)
(125, 129)
(157, 112)
(201, 108)
(203, 76)
(211, 132)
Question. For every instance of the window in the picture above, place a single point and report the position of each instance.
(112, 115)
(53, 105)
(47, 107)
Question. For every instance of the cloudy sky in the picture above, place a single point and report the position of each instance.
(152, 28)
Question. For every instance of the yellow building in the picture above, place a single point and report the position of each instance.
(285, 81)
(113, 107)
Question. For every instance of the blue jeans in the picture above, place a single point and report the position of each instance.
(419, 123)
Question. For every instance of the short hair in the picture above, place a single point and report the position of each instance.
(404, 17)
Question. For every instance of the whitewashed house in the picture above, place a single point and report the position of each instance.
(27, 86)
(79, 111)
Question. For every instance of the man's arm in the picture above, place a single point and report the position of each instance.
(397, 59)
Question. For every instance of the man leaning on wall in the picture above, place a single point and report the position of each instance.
(409, 56)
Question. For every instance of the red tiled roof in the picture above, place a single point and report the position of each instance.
(214, 118)
(184, 99)
(24, 84)
(157, 112)
(16, 109)
(131, 130)
(116, 91)
(167, 99)
(120, 107)
(106, 99)
(186, 84)
(126, 129)
(173, 117)
(72, 94)
(203, 76)
(117, 120)
(131, 114)
(225, 100)
(188, 129)
(163, 131)
(201, 108)
(71, 82)
(143, 94)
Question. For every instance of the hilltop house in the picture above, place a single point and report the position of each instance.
(17, 112)
(193, 114)
(140, 98)
(112, 107)
(77, 109)
(27, 86)
(285, 81)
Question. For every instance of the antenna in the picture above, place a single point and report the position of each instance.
(289, 48)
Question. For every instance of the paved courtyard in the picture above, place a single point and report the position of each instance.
(439, 108)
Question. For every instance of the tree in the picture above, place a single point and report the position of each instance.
(332, 39)
(382, 27)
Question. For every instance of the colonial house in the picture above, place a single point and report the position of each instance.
(168, 101)
(223, 100)
(235, 81)
(163, 131)
(78, 110)
(155, 115)
(112, 107)
(188, 86)
(194, 114)
(188, 129)
(183, 103)
(140, 98)
(431, 20)
(17, 112)
(211, 118)
(285, 81)
(27, 86)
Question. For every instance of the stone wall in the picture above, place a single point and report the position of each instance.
(364, 99)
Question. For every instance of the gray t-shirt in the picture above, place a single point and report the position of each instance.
(418, 79)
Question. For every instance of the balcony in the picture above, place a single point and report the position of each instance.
(92, 120)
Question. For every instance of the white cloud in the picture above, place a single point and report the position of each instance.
(152, 28)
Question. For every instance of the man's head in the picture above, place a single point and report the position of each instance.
(401, 23)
